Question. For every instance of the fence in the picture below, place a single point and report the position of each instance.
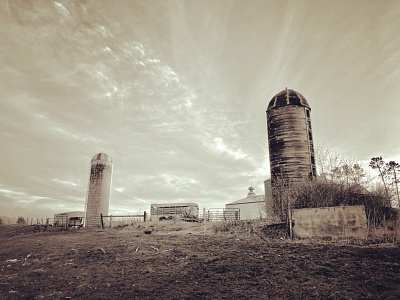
(33, 221)
(109, 221)
(23, 229)
(63, 222)
(174, 210)
(52, 222)
(220, 214)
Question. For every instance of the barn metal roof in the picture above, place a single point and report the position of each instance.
(251, 198)
(247, 200)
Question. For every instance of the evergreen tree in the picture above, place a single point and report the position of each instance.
(393, 169)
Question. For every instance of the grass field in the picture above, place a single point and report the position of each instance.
(178, 260)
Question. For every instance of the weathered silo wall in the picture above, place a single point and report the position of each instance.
(291, 149)
(98, 196)
(290, 141)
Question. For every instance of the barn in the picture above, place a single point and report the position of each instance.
(251, 208)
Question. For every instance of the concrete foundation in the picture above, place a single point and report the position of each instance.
(335, 222)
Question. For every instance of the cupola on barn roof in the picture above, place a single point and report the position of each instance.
(251, 192)
(288, 97)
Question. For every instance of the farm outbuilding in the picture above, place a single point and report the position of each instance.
(252, 207)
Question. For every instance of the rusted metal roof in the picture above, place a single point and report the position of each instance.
(288, 97)
(102, 156)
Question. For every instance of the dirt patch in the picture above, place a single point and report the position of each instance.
(188, 261)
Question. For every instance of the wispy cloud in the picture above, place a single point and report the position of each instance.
(181, 108)
(21, 197)
(220, 146)
(64, 182)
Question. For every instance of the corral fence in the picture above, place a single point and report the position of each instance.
(168, 211)
(220, 214)
(113, 221)
(39, 227)
(65, 223)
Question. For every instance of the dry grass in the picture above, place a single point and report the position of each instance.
(384, 234)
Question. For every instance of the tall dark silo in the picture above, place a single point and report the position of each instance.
(98, 196)
(291, 150)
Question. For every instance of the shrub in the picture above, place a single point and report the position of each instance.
(314, 194)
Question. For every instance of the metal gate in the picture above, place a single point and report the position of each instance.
(222, 214)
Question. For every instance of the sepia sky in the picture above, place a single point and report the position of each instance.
(176, 92)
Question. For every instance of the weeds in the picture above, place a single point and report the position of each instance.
(236, 227)
(315, 194)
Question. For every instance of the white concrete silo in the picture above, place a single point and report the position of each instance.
(98, 196)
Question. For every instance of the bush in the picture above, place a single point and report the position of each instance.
(314, 194)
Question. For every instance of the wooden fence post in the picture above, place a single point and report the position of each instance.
(102, 224)
(204, 220)
(144, 216)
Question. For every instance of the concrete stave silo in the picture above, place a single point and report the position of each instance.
(99, 190)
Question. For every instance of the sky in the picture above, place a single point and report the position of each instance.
(176, 93)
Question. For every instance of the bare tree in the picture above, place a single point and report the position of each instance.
(328, 164)
(337, 168)
(358, 173)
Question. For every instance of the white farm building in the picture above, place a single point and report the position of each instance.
(252, 207)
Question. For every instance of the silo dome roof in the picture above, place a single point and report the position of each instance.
(288, 97)
(102, 156)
